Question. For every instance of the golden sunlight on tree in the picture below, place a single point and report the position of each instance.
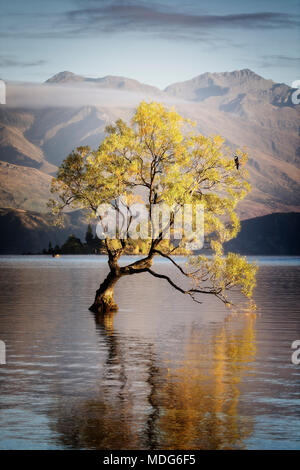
(160, 159)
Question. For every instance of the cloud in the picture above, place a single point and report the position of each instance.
(279, 61)
(9, 61)
(132, 16)
(169, 20)
(79, 95)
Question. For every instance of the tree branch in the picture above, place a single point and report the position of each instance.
(190, 292)
(172, 261)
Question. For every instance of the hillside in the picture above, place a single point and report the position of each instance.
(26, 231)
(273, 234)
(248, 110)
(24, 187)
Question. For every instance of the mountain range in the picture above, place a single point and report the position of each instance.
(248, 110)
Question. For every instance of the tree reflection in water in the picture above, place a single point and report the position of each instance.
(160, 404)
(200, 399)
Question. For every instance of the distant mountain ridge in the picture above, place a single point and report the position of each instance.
(197, 89)
(248, 110)
(109, 81)
(239, 83)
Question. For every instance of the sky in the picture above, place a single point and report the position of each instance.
(158, 42)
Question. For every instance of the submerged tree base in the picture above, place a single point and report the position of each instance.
(104, 298)
(103, 306)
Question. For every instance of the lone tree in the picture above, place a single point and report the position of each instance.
(158, 159)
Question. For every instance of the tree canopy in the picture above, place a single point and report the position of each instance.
(160, 159)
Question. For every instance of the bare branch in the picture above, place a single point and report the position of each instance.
(172, 261)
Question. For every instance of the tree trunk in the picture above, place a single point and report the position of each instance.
(104, 299)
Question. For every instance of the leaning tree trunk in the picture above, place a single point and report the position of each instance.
(104, 299)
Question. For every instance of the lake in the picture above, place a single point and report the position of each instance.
(161, 373)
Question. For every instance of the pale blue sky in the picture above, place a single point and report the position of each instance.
(157, 42)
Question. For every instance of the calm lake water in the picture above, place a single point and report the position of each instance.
(162, 373)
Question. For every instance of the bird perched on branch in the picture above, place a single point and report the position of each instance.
(236, 161)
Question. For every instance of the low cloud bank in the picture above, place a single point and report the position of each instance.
(43, 95)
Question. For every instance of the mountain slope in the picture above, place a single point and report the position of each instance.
(24, 187)
(273, 234)
(26, 231)
(15, 147)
